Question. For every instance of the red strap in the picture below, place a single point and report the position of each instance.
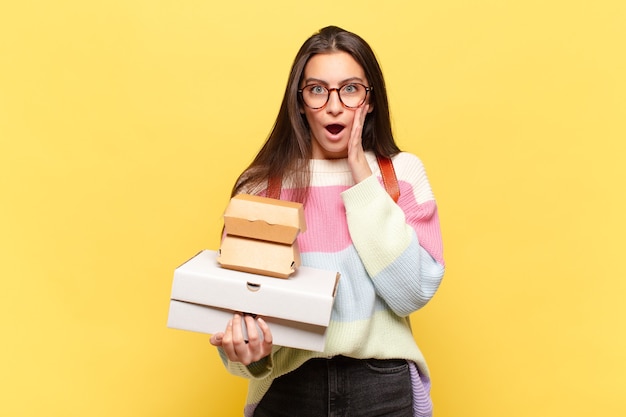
(273, 187)
(387, 172)
(390, 181)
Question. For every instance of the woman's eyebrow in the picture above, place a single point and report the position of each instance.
(312, 80)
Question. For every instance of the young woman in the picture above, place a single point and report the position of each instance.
(332, 127)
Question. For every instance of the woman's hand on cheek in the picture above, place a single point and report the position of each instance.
(356, 156)
(238, 349)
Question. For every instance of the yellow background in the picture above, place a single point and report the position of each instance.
(124, 123)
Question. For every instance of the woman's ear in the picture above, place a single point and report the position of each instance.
(371, 107)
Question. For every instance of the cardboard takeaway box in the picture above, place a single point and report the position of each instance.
(205, 296)
(264, 218)
(261, 235)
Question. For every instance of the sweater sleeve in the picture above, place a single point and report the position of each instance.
(399, 244)
(256, 370)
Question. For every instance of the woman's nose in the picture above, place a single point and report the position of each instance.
(334, 105)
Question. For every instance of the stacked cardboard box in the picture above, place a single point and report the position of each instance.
(205, 296)
(260, 245)
(261, 235)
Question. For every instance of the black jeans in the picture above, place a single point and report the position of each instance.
(341, 387)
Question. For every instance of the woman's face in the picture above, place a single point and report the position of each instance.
(331, 125)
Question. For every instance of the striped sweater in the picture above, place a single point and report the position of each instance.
(391, 263)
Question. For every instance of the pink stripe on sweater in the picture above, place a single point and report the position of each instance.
(327, 229)
(325, 215)
(426, 225)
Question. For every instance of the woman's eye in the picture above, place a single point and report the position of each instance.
(318, 89)
(350, 88)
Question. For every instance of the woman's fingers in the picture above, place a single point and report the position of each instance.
(254, 339)
(227, 342)
(238, 348)
(356, 156)
(356, 136)
(216, 339)
(240, 344)
(267, 334)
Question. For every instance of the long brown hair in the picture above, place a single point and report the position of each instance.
(287, 150)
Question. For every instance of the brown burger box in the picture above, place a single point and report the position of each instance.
(261, 235)
(264, 218)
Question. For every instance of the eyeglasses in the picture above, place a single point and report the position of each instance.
(350, 95)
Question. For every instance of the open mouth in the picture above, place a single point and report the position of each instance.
(334, 128)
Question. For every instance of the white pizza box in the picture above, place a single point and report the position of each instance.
(298, 309)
